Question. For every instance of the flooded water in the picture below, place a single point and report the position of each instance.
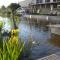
(40, 39)
(6, 24)
(40, 45)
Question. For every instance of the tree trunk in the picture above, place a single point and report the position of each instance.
(14, 22)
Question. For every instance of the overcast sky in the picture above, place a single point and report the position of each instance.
(7, 2)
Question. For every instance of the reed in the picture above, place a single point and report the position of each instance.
(12, 48)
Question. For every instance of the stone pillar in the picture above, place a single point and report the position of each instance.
(51, 7)
(40, 6)
(57, 5)
(45, 5)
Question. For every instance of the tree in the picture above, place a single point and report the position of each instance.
(13, 7)
(3, 9)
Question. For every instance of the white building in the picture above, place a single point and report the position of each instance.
(26, 3)
(45, 5)
(41, 6)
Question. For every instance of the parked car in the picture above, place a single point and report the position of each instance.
(21, 11)
(54, 13)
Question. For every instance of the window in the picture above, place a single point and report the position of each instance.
(54, 0)
(55, 5)
(48, 6)
(58, 5)
(43, 6)
(39, 1)
(47, 0)
(58, 0)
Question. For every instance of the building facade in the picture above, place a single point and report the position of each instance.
(45, 6)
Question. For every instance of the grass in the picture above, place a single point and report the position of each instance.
(12, 48)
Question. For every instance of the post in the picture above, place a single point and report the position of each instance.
(51, 7)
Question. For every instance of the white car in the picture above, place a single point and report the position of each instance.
(53, 13)
(20, 11)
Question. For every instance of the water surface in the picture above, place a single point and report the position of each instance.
(41, 46)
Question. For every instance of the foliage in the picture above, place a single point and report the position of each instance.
(13, 6)
(1, 24)
(12, 48)
(17, 19)
(3, 7)
(8, 13)
(3, 10)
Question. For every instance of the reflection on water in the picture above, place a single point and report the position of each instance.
(55, 40)
(6, 25)
(39, 36)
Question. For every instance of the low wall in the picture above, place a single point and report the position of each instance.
(43, 17)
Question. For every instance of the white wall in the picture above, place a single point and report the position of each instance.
(43, 1)
(55, 30)
(34, 1)
(25, 3)
(51, 0)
